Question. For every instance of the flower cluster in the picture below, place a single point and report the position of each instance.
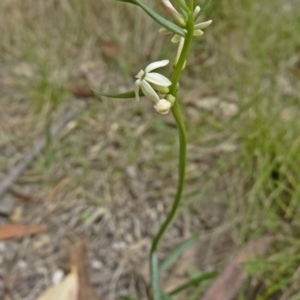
(154, 85)
(197, 32)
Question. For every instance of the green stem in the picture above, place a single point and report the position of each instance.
(182, 138)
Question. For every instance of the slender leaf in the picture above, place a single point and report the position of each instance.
(128, 1)
(126, 95)
(160, 20)
(193, 282)
(155, 277)
(203, 7)
(177, 252)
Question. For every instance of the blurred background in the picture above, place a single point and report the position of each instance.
(110, 174)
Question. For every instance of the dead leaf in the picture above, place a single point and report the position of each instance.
(76, 285)
(19, 230)
(80, 87)
(230, 281)
(68, 289)
(110, 49)
(77, 254)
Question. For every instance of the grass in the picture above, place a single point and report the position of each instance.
(249, 57)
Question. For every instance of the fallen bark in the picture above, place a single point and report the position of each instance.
(230, 281)
(20, 230)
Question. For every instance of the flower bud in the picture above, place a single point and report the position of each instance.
(171, 99)
(175, 15)
(162, 106)
(196, 12)
(179, 50)
(198, 32)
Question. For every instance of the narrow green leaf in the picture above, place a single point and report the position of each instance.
(203, 7)
(126, 95)
(128, 1)
(155, 277)
(160, 20)
(176, 253)
(193, 282)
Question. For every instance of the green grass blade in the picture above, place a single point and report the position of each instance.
(177, 252)
(128, 1)
(126, 95)
(160, 20)
(193, 282)
(155, 277)
(203, 7)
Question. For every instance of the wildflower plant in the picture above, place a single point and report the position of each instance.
(163, 92)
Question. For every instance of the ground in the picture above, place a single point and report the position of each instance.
(110, 174)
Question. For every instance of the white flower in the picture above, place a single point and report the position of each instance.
(148, 81)
(163, 106)
(197, 32)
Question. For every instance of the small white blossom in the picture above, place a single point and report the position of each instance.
(163, 106)
(149, 81)
(197, 32)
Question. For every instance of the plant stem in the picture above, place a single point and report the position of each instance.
(182, 136)
(182, 144)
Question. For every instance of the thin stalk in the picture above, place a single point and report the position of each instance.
(182, 136)
(182, 143)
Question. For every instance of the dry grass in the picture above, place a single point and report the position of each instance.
(111, 174)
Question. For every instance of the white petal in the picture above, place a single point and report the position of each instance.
(156, 65)
(137, 89)
(164, 31)
(196, 11)
(158, 79)
(198, 32)
(203, 25)
(162, 106)
(149, 91)
(176, 38)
